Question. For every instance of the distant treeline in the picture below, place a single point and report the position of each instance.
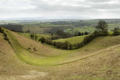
(33, 28)
(13, 27)
(79, 23)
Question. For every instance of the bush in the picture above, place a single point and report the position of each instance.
(81, 33)
(89, 38)
(1, 30)
(43, 40)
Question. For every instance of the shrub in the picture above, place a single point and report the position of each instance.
(1, 30)
(42, 40)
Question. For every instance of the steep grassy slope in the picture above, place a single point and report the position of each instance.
(12, 68)
(10, 64)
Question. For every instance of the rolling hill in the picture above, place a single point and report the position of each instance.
(23, 58)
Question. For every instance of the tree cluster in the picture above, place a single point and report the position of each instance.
(116, 31)
(81, 33)
(102, 28)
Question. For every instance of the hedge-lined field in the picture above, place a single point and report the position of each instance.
(72, 40)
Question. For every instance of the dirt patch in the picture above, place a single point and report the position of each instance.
(34, 74)
(30, 76)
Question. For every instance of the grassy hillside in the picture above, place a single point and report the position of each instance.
(103, 66)
(26, 55)
(10, 64)
(99, 60)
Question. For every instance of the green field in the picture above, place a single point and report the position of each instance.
(89, 29)
(72, 40)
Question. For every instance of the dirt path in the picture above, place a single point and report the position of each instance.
(87, 56)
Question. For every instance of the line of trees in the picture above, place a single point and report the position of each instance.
(67, 45)
(81, 33)
(61, 45)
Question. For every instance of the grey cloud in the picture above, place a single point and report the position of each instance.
(98, 1)
(64, 8)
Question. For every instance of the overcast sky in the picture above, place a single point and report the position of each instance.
(60, 9)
